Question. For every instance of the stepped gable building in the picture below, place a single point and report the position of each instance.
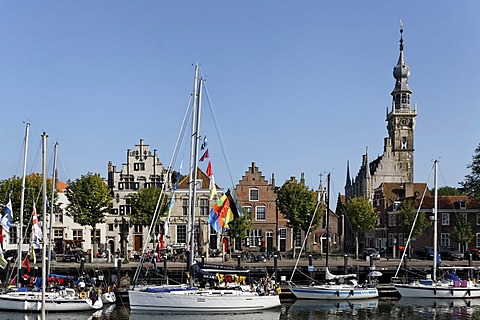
(143, 169)
(397, 161)
(258, 197)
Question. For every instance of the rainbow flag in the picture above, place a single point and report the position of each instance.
(223, 212)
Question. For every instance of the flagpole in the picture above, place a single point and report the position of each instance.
(193, 168)
(54, 182)
(44, 197)
(22, 204)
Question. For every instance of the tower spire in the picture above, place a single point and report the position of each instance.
(401, 72)
(367, 164)
(348, 183)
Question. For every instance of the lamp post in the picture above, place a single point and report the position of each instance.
(124, 226)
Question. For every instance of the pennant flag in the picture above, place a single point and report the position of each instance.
(205, 156)
(3, 262)
(162, 243)
(209, 169)
(223, 212)
(172, 202)
(165, 228)
(26, 263)
(36, 229)
(204, 143)
(172, 199)
(213, 188)
(8, 215)
(32, 254)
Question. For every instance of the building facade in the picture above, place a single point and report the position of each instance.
(142, 169)
(258, 197)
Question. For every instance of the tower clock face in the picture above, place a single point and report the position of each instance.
(402, 123)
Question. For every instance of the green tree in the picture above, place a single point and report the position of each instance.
(144, 203)
(33, 194)
(462, 233)
(449, 191)
(241, 226)
(406, 217)
(471, 183)
(89, 200)
(361, 216)
(297, 204)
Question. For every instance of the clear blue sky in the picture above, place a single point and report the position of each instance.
(298, 86)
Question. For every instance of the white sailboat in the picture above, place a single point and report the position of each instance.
(446, 287)
(190, 298)
(335, 287)
(64, 300)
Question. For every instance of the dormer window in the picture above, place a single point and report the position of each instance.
(396, 205)
(463, 204)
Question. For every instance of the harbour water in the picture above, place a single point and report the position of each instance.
(292, 310)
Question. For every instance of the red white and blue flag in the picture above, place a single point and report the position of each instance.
(7, 217)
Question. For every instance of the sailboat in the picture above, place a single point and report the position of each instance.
(62, 300)
(447, 287)
(191, 298)
(335, 287)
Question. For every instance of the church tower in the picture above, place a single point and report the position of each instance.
(401, 118)
(396, 164)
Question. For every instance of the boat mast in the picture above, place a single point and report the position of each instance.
(54, 183)
(435, 227)
(197, 88)
(327, 220)
(44, 198)
(22, 205)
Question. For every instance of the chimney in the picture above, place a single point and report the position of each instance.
(408, 190)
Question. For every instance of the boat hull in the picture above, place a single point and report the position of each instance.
(437, 291)
(199, 301)
(334, 292)
(32, 301)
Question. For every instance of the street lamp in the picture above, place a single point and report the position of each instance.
(123, 232)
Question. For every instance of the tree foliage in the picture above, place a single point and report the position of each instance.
(406, 217)
(90, 199)
(462, 233)
(241, 226)
(297, 204)
(144, 203)
(33, 194)
(361, 216)
(471, 183)
(449, 191)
